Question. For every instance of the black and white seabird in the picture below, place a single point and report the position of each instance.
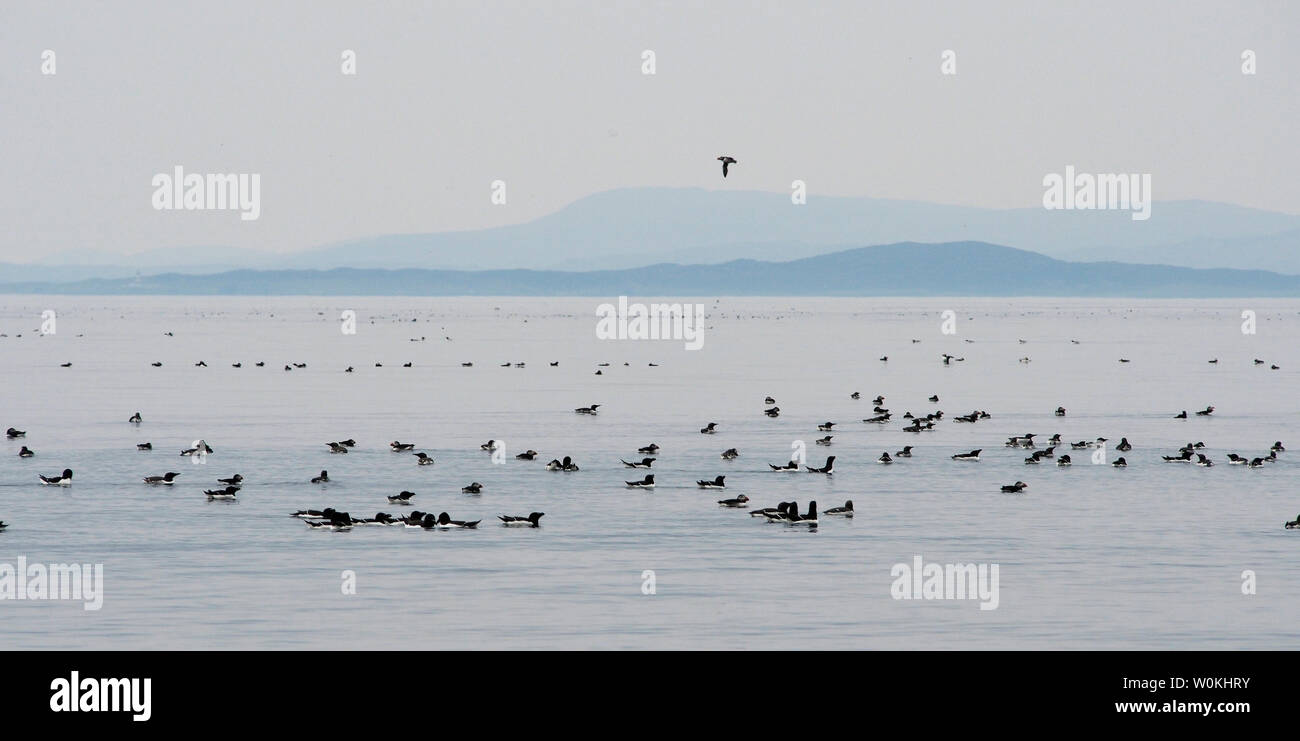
(974, 455)
(226, 494)
(144, 446)
(1015, 488)
(587, 410)
(445, 522)
(1120, 463)
(532, 520)
(709, 429)
(566, 464)
(717, 483)
(166, 479)
(906, 452)
(136, 418)
(824, 440)
(730, 454)
(1064, 461)
(323, 478)
(884, 458)
(643, 463)
(337, 447)
(726, 162)
(1292, 525)
(401, 447)
(235, 480)
(652, 448)
(845, 511)
(738, 502)
(1205, 412)
(423, 459)
(794, 518)
(829, 468)
(527, 455)
(474, 488)
(791, 466)
(647, 483)
(63, 479)
(26, 452)
(402, 497)
(12, 434)
(1124, 445)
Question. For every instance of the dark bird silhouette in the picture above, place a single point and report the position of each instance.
(726, 162)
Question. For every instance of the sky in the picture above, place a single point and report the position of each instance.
(551, 99)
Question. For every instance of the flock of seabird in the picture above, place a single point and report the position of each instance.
(785, 512)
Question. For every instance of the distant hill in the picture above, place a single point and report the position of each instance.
(634, 227)
(904, 269)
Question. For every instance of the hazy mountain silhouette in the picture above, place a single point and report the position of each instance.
(644, 226)
(904, 269)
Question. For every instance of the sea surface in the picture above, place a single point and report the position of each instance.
(1089, 557)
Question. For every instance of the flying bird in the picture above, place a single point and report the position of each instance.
(726, 161)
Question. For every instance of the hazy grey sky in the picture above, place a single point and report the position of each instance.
(550, 98)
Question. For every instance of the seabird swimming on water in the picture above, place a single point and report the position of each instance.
(791, 466)
(794, 518)
(934, 399)
(717, 483)
(1123, 446)
(1202, 461)
(824, 440)
(337, 447)
(1181, 415)
(1277, 447)
(647, 483)
(738, 502)
(1120, 463)
(235, 480)
(1064, 461)
(26, 452)
(527, 455)
(1060, 411)
(403, 497)
(651, 448)
(1205, 412)
(63, 479)
(566, 464)
(726, 162)
(227, 493)
(588, 409)
(136, 418)
(167, 478)
(531, 520)
(709, 429)
(323, 478)
(825, 426)
(474, 488)
(974, 455)
(12, 434)
(1293, 525)
(829, 468)
(490, 446)
(144, 446)
(773, 412)
(845, 511)
(855, 395)
(202, 448)
(401, 447)
(884, 458)
(445, 522)
(423, 459)
(730, 454)
(769, 400)
(1015, 488)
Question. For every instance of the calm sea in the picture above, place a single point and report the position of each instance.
(1089, 556)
